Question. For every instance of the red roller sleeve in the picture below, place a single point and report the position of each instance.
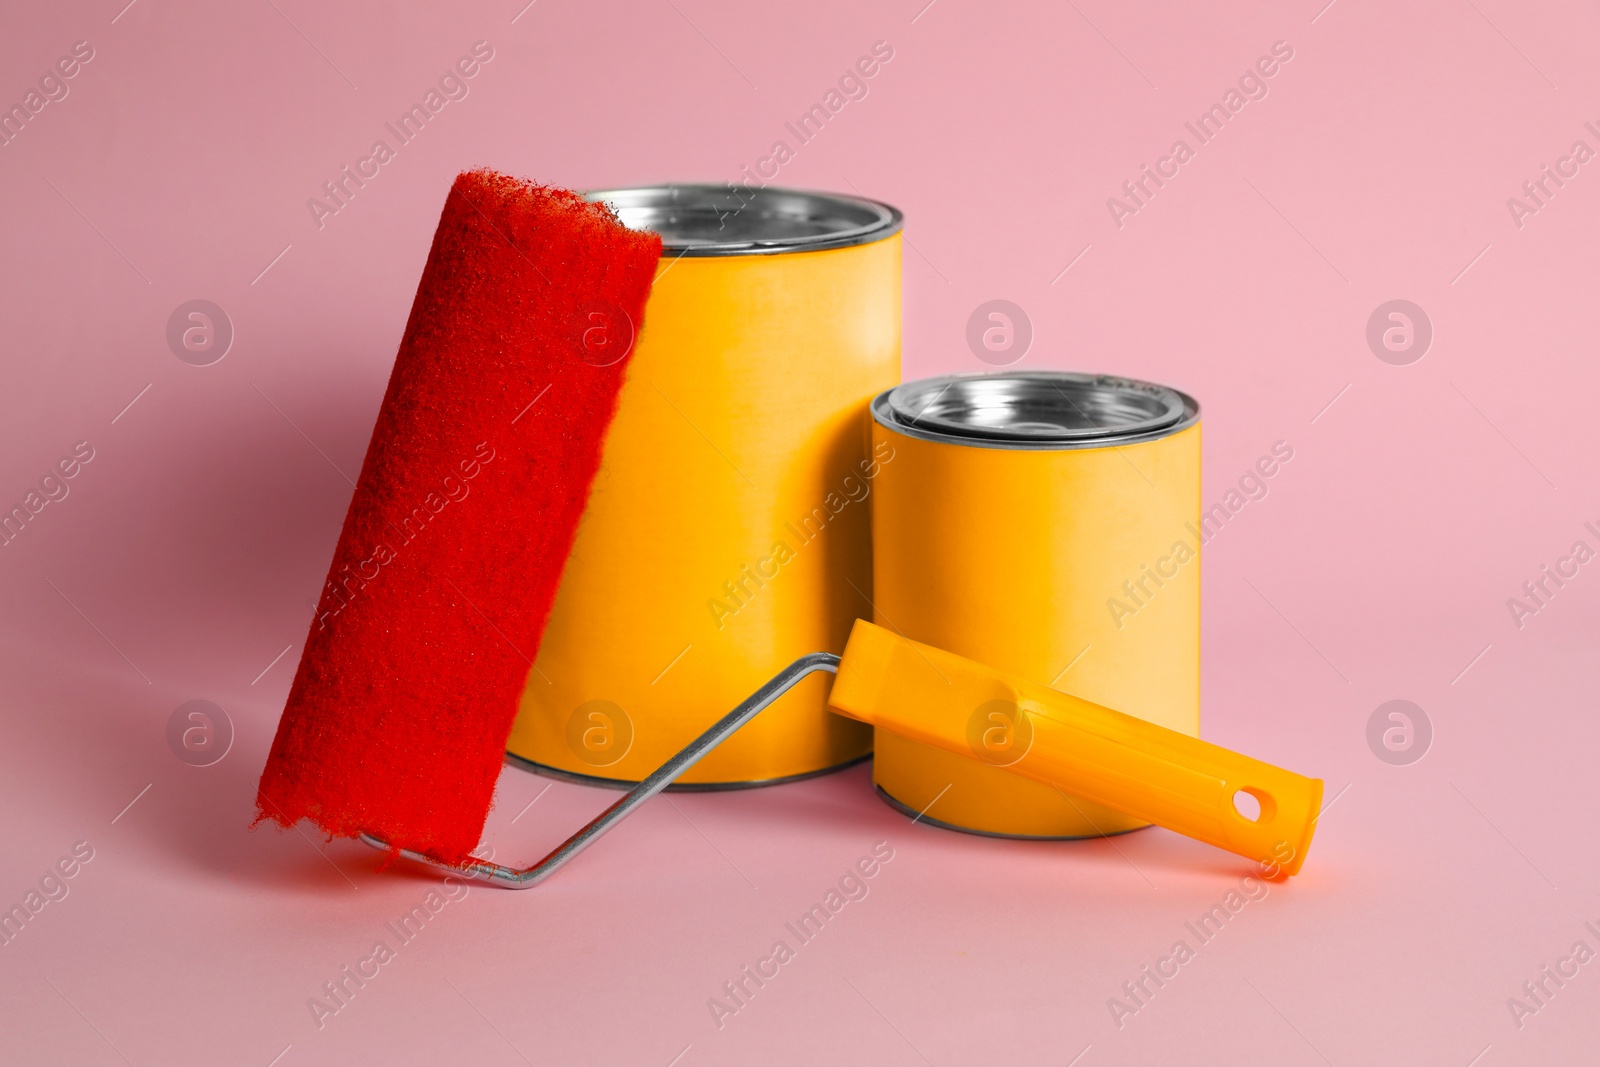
(477, 473)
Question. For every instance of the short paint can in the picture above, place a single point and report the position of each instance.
(728, 531)
(1046, 524)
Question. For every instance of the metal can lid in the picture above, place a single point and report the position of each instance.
(1038, 410)
(729, 220)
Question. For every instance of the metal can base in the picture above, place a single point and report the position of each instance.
(917, 816)
(677, 787)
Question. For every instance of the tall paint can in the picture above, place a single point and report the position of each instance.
(1045, 524)
(728, 531)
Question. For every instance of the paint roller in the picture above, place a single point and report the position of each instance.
(460, 526)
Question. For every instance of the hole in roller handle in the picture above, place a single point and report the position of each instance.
(659, 779)
(1254, 805)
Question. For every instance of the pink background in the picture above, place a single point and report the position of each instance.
(187, 553)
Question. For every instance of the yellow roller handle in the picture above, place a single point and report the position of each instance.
(1136, 767)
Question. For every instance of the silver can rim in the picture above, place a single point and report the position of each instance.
(893, 415)
(840, 221)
